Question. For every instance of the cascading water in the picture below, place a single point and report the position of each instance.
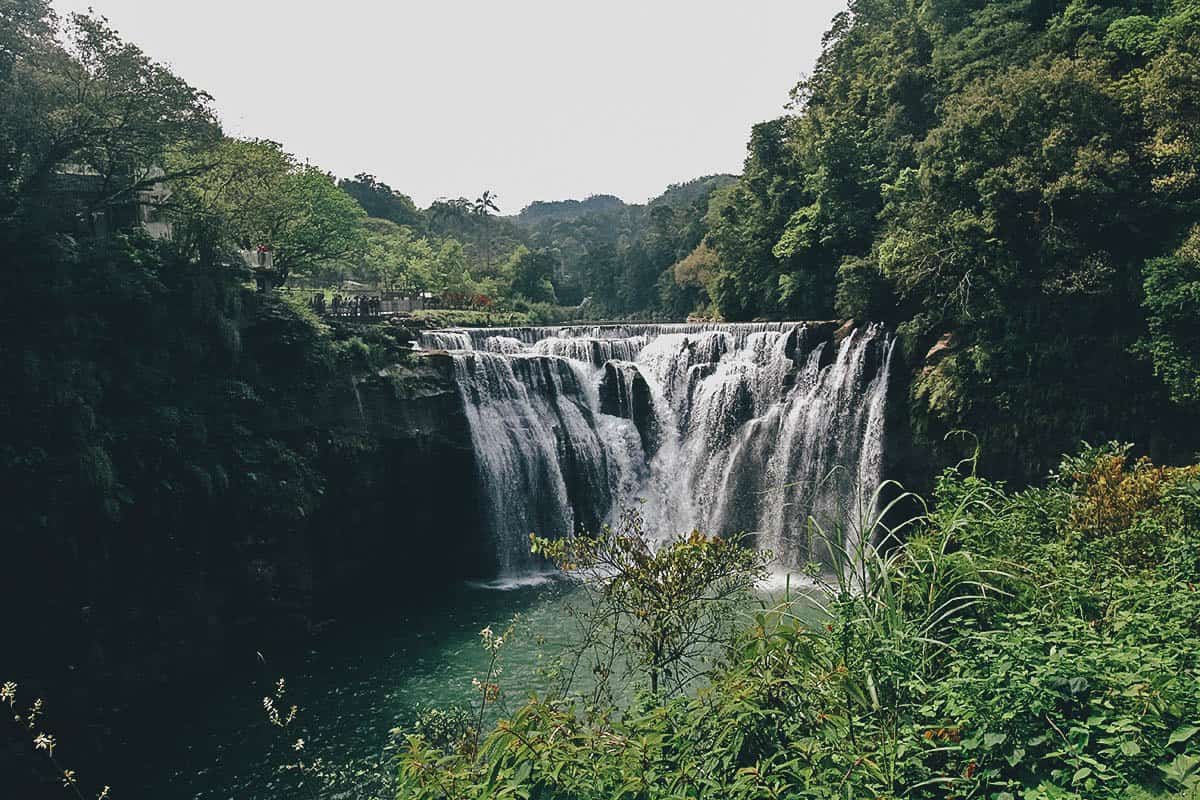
(763, 428)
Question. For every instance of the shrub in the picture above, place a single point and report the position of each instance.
(448, 730)
(1118, 508)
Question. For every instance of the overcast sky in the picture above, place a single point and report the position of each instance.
(535, 99)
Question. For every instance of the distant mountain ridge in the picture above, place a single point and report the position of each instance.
(676, 195)
(560, 210)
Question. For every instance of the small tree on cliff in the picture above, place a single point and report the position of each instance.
(668, 605)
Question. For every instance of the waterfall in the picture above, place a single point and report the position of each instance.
(764, 428)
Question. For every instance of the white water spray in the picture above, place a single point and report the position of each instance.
(722, 428)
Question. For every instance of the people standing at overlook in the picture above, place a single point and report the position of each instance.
(354, 306)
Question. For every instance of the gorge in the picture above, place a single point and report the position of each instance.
(486, 435)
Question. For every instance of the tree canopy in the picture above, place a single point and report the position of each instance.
(255, 195)
(1018, 174)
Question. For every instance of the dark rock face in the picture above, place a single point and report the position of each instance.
(378, 508)
(399, 514)
(396, 515)
(625, 393)
(312, 488)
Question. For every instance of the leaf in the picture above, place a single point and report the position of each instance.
(1182, 734)
(1081, 774)
(1130, 748)
(1182, 770)
(990, 740)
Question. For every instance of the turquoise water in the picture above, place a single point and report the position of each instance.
(353, 686)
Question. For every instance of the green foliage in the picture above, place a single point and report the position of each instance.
(667, 602)
(73, 93)
(1172, 305)
(382, 201)
(979, 651)
(532, 271)
(462, 318)
(619, 258)
(448, 729)
(251, 194)
(1014, 172)
(485, 240)
(397, 260)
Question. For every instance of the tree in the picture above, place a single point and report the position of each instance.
(396, 258)
(92, 101)
(451, 271)
(253, 194)
(450, 216)
(1011, 172)
(532, 273)
(382, 201)
(1172, 305)
(685, 286)
(669, 602)
(484, 205)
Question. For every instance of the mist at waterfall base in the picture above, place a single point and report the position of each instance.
(767, 429)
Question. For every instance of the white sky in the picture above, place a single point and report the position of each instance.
(534, 99)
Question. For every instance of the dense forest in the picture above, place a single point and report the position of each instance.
(1014, 179)
(1012, 186)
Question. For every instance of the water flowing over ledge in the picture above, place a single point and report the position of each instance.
(726, 428)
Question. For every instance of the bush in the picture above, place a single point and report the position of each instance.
(448, 730)
(1119, 509)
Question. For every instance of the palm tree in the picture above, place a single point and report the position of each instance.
(483, 206)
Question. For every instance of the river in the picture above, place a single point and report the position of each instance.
(353, 685)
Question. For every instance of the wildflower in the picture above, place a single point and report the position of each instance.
(272, 712)
(103, 794)
(68, 777)
(8, 693)
(33, 713)
(279, 688)
(299, 745)
(44, 741)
